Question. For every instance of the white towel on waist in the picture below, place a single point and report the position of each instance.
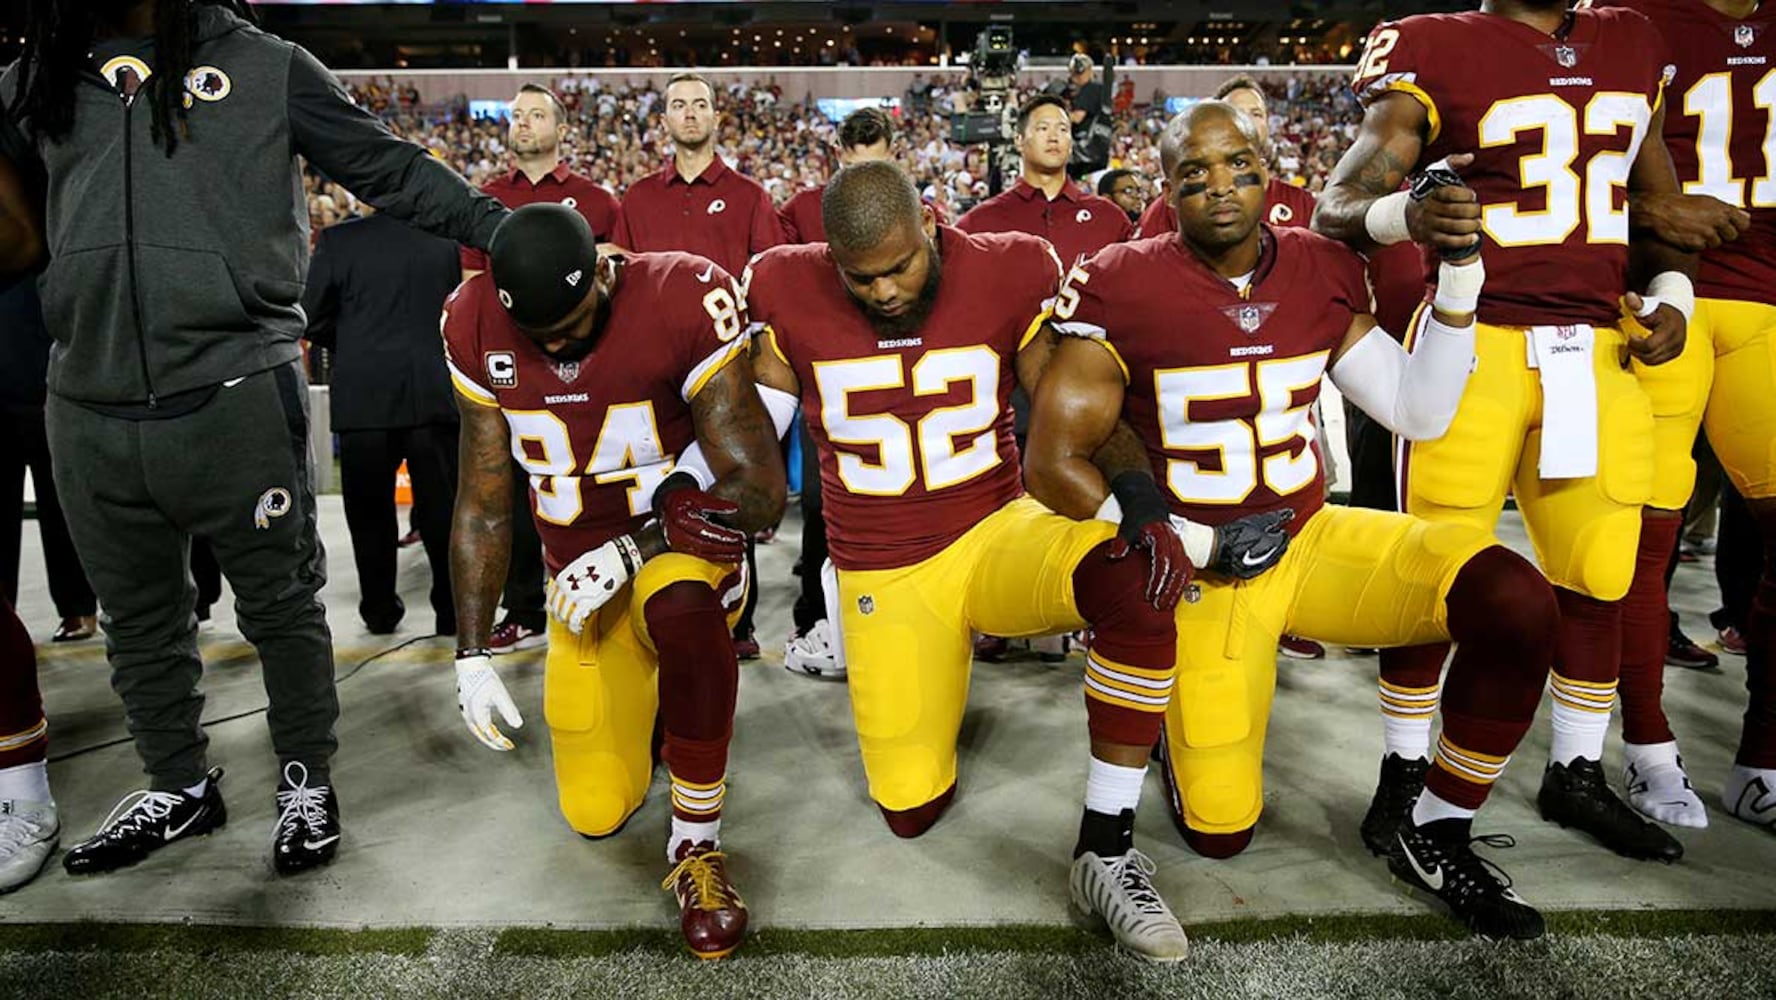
(1569, 399)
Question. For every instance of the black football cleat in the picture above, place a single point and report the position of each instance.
(1579, 796)
(139, 826)
(1395, 794)
(307, 831)
(1439, 858)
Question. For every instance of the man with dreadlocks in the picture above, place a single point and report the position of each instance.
(167, 133)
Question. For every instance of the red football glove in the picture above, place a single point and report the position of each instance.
(687, 516)
(1146, 525)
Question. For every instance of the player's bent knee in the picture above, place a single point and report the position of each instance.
(1218, 846)
(667, 569)
(910, 823)
(594, 812)
(1501, 596)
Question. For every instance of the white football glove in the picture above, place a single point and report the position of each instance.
(478, 693)
(589, 582)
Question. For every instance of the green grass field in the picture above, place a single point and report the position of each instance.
(1660, 955)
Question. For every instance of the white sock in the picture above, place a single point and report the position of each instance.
(1111, 788)
(684, 830)
(1406, 720)
(196, 791)
(1430, 808)
(26, 782)
(1581, 718)
(1750, 794)
(1658, 787)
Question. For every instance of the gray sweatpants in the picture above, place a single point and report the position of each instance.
(236, 473)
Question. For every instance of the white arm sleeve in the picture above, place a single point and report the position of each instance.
(1414, 395)
(781, 405)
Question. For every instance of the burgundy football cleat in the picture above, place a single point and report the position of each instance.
(710, 911)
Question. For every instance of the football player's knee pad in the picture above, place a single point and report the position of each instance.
(1220, 791)
(593, 788)
(1211, 704)
(906, 776)
(1464, 468)
(1500, 598)
(1600, 562)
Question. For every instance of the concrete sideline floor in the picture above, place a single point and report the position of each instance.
(441, 832)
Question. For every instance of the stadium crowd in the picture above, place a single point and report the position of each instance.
(616, 137)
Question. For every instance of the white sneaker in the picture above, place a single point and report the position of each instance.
(813, 653)
(1658, 787)
(1120, 893)
(1751, 795)
(29, 834)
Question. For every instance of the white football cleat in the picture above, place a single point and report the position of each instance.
(29, 834)
(1119, 892)
(814, 653)
(1658, 788)
(1751, 795)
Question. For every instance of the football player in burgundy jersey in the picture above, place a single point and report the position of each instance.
(1720, 131)
(1223, 418)
(595, 373)
(1543, 113)
(902, 340)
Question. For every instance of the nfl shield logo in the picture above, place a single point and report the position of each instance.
(1566, 56)
(1744, 35)
(1250, 319)
(866, 604)
(567, 371)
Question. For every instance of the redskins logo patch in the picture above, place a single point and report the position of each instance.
(274, 502)
(114, 68)
(1280, 214)
(207, 83)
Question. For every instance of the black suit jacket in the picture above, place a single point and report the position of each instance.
(376, 290)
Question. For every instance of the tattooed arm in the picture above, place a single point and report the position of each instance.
(1387, 149)
(740, 445)
(481, 524)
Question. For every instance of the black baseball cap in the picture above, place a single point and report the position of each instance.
(543, 257)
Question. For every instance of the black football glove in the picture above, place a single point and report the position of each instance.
(1252, 544)
(1147, 526)
(1431, 178)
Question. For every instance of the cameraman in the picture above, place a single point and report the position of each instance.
(1090, 116)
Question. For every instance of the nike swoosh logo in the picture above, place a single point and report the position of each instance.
(315, 845)
(706, 275)
(1432, 879)
(175, 831)
(1263, 557)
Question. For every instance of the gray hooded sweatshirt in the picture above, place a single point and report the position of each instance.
(172, 274)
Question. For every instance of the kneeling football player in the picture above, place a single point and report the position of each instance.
(901, 340)
(1210, 342)
(594, 373)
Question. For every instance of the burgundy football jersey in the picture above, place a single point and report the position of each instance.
(598, 433)
(1720, 128)
(1554, 123)
(914, 432)
(1222, 382)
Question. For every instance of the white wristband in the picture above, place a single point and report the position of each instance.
(1386, 219)
(1458, 288)
(1110, 510)
(1673, 289)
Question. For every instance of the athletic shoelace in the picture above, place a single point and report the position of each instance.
(131, 814)
(17, 830)
(1468, 873)
(706, 888)
(299, 802)
(1134, 873)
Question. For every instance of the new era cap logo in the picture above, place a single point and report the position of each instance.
(573, 279)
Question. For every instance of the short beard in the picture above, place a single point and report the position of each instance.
(910, 322)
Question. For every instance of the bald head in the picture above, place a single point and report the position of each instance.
(866, 203)
(1178, 130)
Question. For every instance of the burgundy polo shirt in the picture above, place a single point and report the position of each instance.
(803, 223)
(721, 214)
(561, 185)
(1077, 222)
